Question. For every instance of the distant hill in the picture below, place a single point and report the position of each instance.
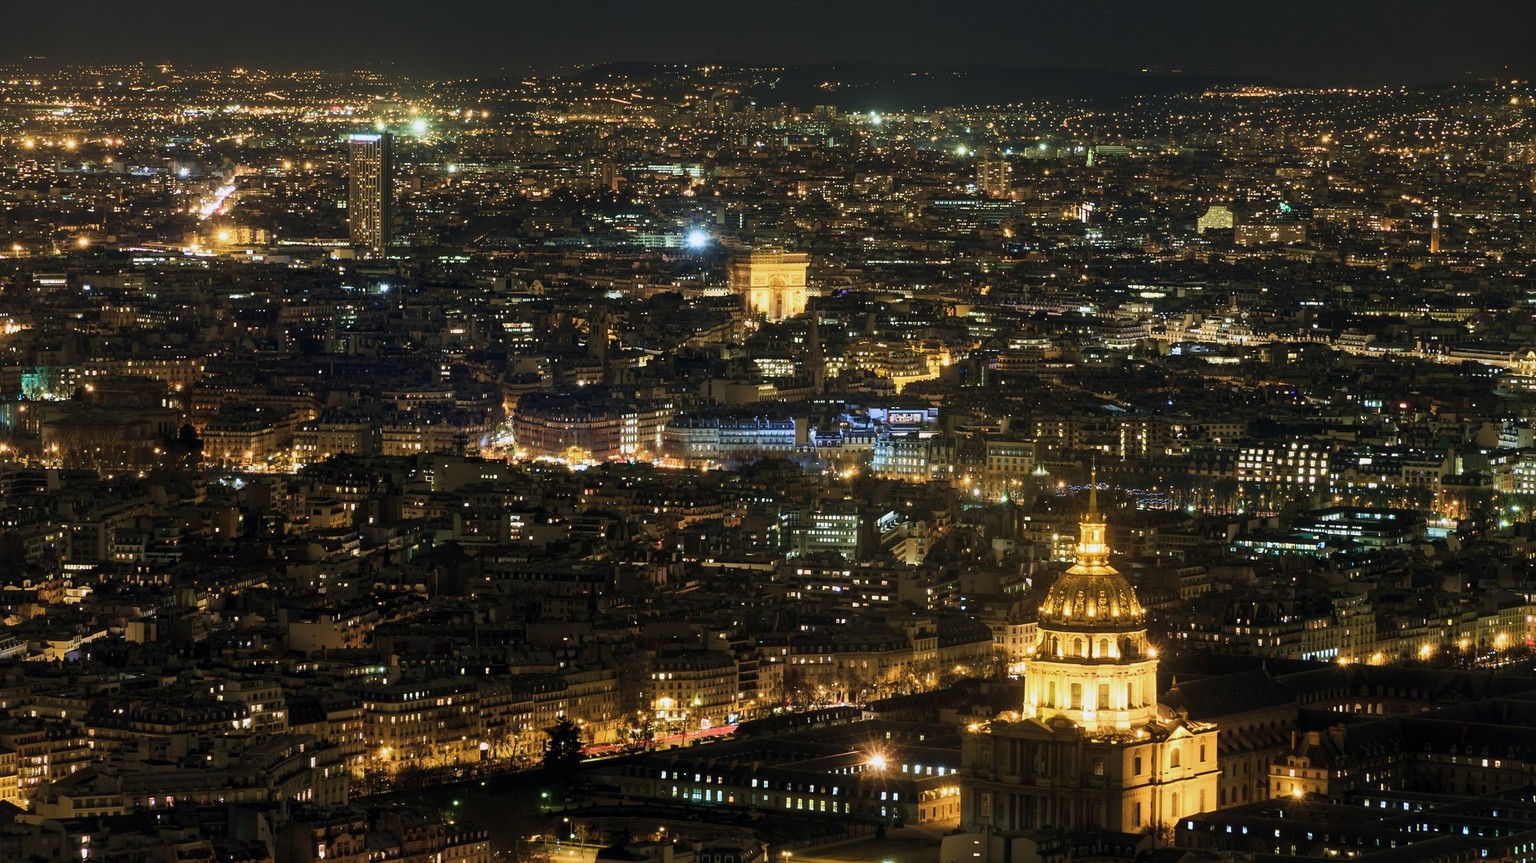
(890, 87)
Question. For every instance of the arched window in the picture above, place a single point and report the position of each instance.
(1173, 761)
(1103, 648)
(1079, 648)
(1202, 753)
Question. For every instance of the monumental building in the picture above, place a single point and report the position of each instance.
(1090, 747)
(772, 283)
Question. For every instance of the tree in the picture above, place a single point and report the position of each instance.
(562, 750)
(1162, 834)
(524, 851)
(188, 439)
(642, 737)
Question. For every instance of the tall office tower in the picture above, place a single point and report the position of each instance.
(772, 283)
(1217, 217)
(994, 176)
(1091, 747)
(370, 191)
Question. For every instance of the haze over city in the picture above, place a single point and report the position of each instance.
(1310, 42)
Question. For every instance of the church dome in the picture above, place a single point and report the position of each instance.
(1081, 598)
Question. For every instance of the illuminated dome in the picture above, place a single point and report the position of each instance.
(1092, 665)
(1098, 599)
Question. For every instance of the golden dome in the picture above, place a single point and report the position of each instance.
(1091, 598)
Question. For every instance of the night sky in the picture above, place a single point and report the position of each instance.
(1294, 41)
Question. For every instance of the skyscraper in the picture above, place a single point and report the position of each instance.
(994, 176)
(370, 191)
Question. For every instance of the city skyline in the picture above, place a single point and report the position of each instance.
(697, 463)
